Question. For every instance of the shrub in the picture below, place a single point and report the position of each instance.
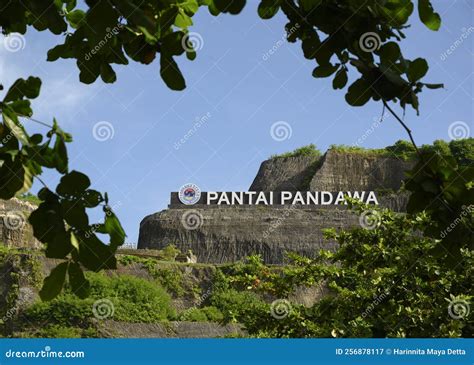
(309, 150)
(387, 281)
(133, 300)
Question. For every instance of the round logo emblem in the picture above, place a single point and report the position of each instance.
(189, 194)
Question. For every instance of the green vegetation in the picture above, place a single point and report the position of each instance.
(462, 150)
(31, 198)
(150, 29)
(122, 298)
(383, 281)
(167, 274)
(308, 151)
(205, 314)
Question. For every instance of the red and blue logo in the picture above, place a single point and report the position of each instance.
(189, 194)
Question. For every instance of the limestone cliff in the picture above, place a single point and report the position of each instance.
(285, 174)
(225, 234)
(15, 230)
(357, 171)
(231, 233)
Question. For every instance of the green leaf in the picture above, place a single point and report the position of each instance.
(60, 155)
(340, 80)
(21, 88)
(417, 69)
(114, 228)
(434, 86)
(268, 8)
(12, 178)
(73, 183)
(172, 43)
(92, 198)
(54, 283)
(60, 246)
(75, 214)
(21, 107)
(229, 6)
(170, 73)
(11, 121)
(389, 53)
(358, 93)
(75, 17)
(427, 15)
(325, 70)
(107, 73)
(182, 20)
(79, 284)
(309, 5)
(95, 255)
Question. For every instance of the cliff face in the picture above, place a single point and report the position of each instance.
(219, 234)
(15, 230)
(228, 234)
(353, 171)
(285, 174)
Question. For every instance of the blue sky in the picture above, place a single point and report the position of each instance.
(243, 93)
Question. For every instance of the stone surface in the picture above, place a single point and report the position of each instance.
(227, 234)
(15, 231)
(355, 171)
(285, 174)
(182, 329)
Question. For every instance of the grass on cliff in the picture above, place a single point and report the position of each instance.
(462, 150)
(308, 151)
